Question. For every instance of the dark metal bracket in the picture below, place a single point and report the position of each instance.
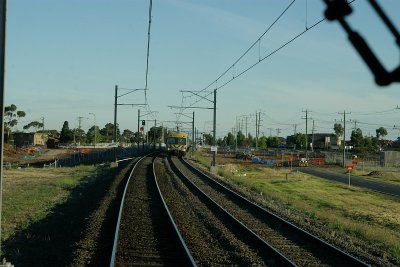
(338, 10)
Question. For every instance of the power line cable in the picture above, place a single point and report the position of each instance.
(257, 41)
(260, 59)
(232, 67)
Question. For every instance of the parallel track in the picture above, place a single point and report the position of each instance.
(270, 255)
(146, 235)
(299, 246)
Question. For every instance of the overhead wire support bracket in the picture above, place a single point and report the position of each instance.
(180, 107)
(132, 91)
(196, 94)
(338, 10)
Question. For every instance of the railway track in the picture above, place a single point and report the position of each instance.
(294, 245)
(212, 239)
(145, 234)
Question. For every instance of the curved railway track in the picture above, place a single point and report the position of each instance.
(213, 240)
(146, 235)
(294, 245)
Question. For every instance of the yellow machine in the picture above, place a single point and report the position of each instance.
(177, 143)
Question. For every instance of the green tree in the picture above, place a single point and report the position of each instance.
(241, 139)
(127, 136)
(230, 139)
(381, 132)
(80, 136)
(250, 140)
(221, 142)
(208, 139)
(339, 130)
(11, 117)
(299, 140)
(91, 134)
(155, 132)
(108, 132)
(34, 124)
(370, 145)
(66, 135)
(358, 140)
(273, 141)
(262, 142)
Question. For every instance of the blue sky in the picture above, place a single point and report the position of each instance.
(64, 58)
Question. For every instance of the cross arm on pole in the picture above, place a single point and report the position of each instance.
(180, 107)
(196, 94)
(132, 91)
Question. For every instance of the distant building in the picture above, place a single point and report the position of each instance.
(53, 142)
(319, 141)
(29, 139)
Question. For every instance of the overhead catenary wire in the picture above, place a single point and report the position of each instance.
(261, 59)
(247, 51)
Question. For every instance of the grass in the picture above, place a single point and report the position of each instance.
(389, 175)
(370, 216)
(377, 173)
(30, 194)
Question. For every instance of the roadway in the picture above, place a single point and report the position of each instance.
(382, 187)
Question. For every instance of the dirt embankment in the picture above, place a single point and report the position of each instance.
(32, 155)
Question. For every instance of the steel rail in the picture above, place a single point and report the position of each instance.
(274, 258)
(114, 250)
(290, 226)
(188, 259)
(188, 256)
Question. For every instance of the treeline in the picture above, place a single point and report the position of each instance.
(357, 143)
(68, 135)
(95, 134)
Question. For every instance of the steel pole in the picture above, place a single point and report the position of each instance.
(138, 130)
(215, 127)
(3, 12)
(193, 134)
(115, 121)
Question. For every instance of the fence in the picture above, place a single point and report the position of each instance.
(78, 158)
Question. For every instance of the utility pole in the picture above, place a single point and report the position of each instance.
(193, 135)
(215, 128)
(306, 118)
(115, 111)
(344, 136)
(138, 130)
(79, 126)
(312, 140)
(42, 128)
(234, 132)
(246, 127)
(95, 129)
(278, 131)
(355, 124)
(258, 123)
(3, 12)
(196, 93)
(256, 130)
(270, 132)
(115, 118)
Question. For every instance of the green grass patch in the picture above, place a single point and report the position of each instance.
(196, 156)
(30, 194)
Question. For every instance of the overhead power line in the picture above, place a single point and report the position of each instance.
(251, 47)
(261, 59)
